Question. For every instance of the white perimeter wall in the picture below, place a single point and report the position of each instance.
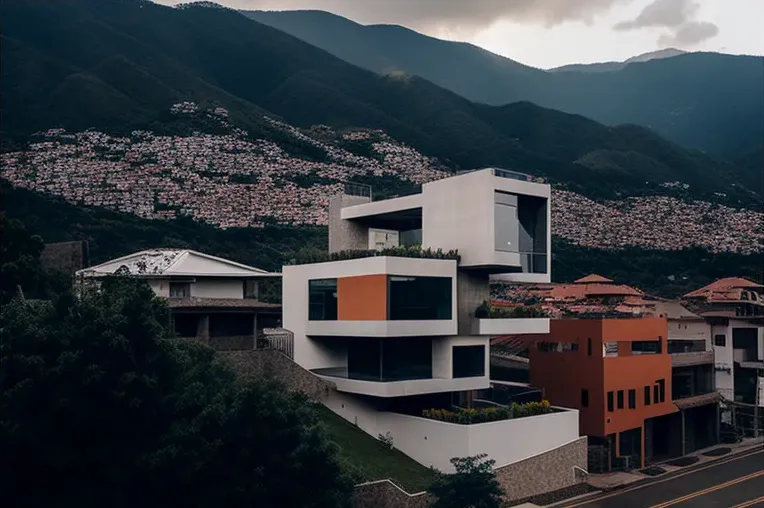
(434, 443)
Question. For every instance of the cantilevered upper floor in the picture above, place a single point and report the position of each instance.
(498, 220)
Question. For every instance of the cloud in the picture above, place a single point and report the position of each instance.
(676, 15)
(434, 14)
(665, 13)
(689, 34)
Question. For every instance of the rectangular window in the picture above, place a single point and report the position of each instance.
(656, 394)
(506, 223)
(662, 390)
(180, 290)
(632, 399)
(468, 361)
(589, 346)
(419, 298)
(647, 395)
(251, 289)
(645, 347)
(610, 401)
(584, 398)
(322, 300)
(720, 340)
(620, 399)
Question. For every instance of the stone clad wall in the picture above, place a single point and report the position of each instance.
(545, 472)
(268, 363)
(386, 494)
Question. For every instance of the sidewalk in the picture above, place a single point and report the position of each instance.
(609, 481)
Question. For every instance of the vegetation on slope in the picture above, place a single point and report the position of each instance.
(369, 459)
(111, 234)
(116, 64)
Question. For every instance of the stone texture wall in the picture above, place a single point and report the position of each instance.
(65, 256)
(344, 234)
(255, 364)
(385, 494)
(546, 472)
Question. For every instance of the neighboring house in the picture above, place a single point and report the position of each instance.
(396, 330)
(734, 310)
(220, 302)
(639, 394)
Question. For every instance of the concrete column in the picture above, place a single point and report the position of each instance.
(472, 289)
(718, 424)
(203, 328)
(684, 443)
(642, 454)
(345, 234)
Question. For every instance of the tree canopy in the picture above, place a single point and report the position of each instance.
(474, 485)
(99, 407)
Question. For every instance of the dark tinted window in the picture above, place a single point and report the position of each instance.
(585, 397)
(720, 340)
(647, 395)
(322, 299)
(469, 361)
(419, 298)
(632, 399)
(620, 399)
(610, 401)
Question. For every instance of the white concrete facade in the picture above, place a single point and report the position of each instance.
(434, 443)
(459, 213)
(513, 326)
(726, 356)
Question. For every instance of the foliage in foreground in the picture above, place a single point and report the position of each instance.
(96, 402)
(474, 485)
(489, 414)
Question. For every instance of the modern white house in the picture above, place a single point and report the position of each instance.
(396, 318)
(733, 309)
(220, 302)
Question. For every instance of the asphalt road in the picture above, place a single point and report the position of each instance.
(734, 482)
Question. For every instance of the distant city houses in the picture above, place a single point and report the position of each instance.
(233, 181)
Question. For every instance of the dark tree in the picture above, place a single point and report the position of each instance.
(98, 408)
(474, 485)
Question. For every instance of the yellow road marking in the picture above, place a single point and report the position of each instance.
(709, 490)
(657, 482)
(750, 503)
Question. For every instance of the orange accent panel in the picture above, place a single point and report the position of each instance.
(362, 298)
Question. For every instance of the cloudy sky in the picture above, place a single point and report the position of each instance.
(549, 33)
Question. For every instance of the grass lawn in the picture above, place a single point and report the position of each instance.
(369, 459)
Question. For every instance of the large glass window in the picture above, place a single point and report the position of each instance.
(468, 361)
(391, 359)
(322, 299)
(419, 298)
(505, 222)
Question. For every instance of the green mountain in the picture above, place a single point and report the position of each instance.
(708, 101)
(118, 65)
(617, 66)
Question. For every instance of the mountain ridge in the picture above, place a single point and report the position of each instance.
(719, 92)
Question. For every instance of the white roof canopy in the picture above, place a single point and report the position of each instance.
(174, 262)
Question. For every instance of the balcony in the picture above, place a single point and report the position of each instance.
(510, 326)
(520, 320)
(389, 387)
(687, 359)
(423, 328)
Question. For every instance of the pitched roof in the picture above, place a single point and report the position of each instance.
(178, 262)
(592, 278)
(728, 284)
